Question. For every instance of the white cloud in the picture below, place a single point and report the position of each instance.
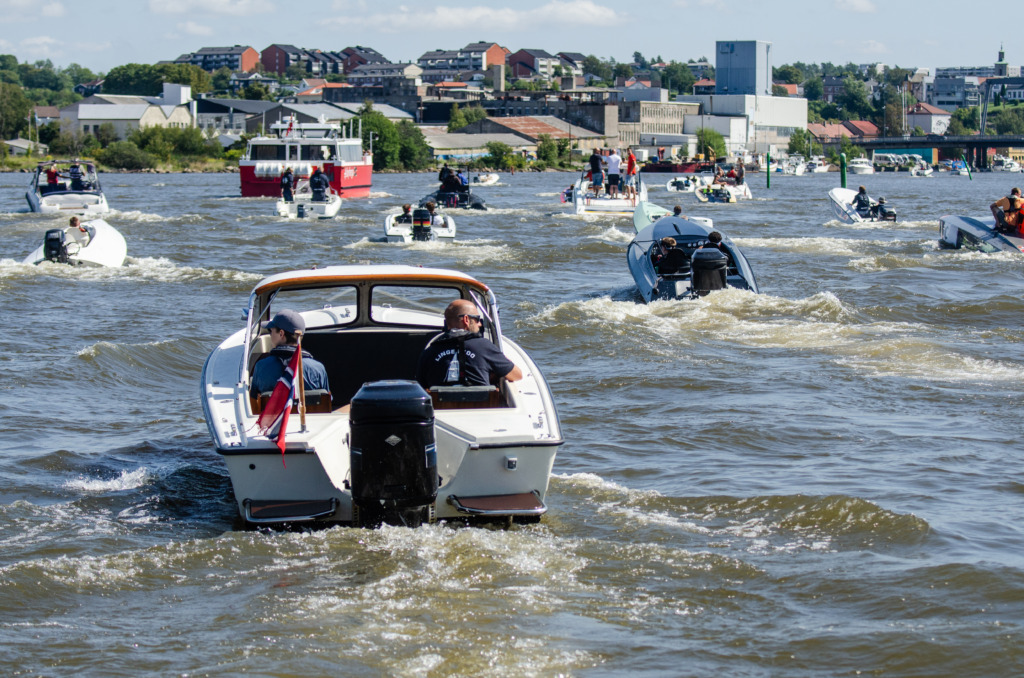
(239, 8)
(861, 6)
(192, 28)
(52, 10)
(574, 13)
(873, 47)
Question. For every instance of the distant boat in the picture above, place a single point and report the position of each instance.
(79, 195)
(978, 234)
(303, 206)
(861, 166)
(419, 227)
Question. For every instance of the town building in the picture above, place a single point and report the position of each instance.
(237, 58)
(173, 108)
(359, 56)
(530, 64)
(931, 119)
(743, 67)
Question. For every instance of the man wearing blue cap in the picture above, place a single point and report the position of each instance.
(284, 330)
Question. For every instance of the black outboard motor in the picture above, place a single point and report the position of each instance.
(393, 454)
(708, 268)
(53, 246)
(421, 224)
(885, 212)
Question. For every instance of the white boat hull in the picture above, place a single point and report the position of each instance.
(70, 202)
(405, 232)
(493, 461)
(103, 246)
(304, 207)
(978, 234)
(583, 203)
(488, 179)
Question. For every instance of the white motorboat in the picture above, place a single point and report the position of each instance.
(378, 447)
(66, 187)
(1001, 163)
(584, 202)
(861, 166)
(419, 227)
(978, 234)
(99, 244)
(921, 170)
(486, 179)
(726, 193)
(817, 165)
(687, 183)
(841, 201)
(303, 206)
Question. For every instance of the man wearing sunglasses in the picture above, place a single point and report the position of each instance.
(461, 355)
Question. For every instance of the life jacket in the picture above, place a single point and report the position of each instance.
(1015, 212)
(456, 372)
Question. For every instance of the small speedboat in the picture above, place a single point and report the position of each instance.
(66, 187)
(690, 268)
(418, 227)
(99, 244)
(377, 447)
(688, 183)
(303, 206)
(583, 202)
(977, 233)
(841, 200)
(486, 179)
(723, 193)
(922, 170)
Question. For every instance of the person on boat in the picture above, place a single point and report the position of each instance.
(719, 177)
(435, 218)
(284, 330)
(715, 240)
(287, 181)
(677, 211)
(78, 231)
(862, 203)
(631, 172)
(52, 178)
(406, 216)
(1009, 212)
(461, 354)
(318, 184)
(444, 173)
(462, 178)
(738, 171)
(661, 248)
(567, 193)
(75, 175)
(596, 172)
(613, 161)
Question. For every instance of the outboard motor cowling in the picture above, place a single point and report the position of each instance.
(393, 454)
(53, 246)
(708, 268)
(421, 224)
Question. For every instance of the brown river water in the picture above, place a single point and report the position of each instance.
(822, 479)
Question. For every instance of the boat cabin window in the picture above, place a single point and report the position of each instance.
(317, 153)
(972, 242)
(334, 306)
(410, 305)
(267, 152)
(350, 152)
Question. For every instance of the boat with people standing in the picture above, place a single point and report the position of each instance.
(303, 147)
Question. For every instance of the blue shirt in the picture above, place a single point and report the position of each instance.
(270, 368)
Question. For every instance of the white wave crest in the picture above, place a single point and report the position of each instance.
(128, 480)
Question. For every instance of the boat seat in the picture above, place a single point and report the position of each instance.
(318, 401)
(676, 261)
(465, 397)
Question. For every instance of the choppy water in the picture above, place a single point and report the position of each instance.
(823, 479)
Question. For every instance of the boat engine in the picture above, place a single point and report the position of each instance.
(393, 454)
(420, 224)
(708, 268)
(54, 248)
(300, 211)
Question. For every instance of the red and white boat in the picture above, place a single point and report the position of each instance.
(303, 147)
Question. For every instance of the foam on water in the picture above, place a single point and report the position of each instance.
(125, 481)
(844, 247)
(614, 235)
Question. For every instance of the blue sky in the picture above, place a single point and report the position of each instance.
(101, 34)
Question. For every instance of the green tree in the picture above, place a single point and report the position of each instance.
(386, 142)
(813, 89)
(125, 155)
(1008, 121)
(456, 119)
(802, 141)
(137, 79)
(677, 77)
(893, 120)
(14, 111)
(854, 99)
(710, 143)
(640, 61)
(788, 74)
(499, 154)
(413, 150)
(221, 79)
(779, 91)
(622, 71)
(185, 74)
(78, 74)
(474, 113)
(256, 91)
(547, 149)
(106, 134)
(296, 71)
(595, 66)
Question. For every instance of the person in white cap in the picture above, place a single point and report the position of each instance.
(284, 330)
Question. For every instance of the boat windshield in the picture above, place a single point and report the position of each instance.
(337, 303)
(410, 305)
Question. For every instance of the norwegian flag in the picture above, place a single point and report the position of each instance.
(274, 419)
